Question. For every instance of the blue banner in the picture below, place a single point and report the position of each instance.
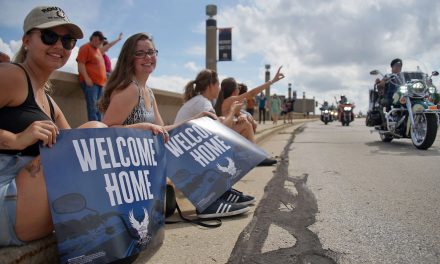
(106, 192)
(206, 158)
(106, 186)
(225, 44)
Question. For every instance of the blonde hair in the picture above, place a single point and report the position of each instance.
(21, 56)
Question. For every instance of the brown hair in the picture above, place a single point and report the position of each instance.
(228, 86)
(200, 84)
(120, 78)
(243, 88)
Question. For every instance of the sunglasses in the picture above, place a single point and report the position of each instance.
(49, 37)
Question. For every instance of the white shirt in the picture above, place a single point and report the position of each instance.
(192, 107)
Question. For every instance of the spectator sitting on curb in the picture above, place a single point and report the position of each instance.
(229, 93)
(197, 98)
(127, 100)
(30, 117)
(250, 103)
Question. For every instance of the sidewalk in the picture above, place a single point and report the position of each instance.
(188, 243)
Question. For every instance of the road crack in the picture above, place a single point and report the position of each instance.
(308, 248)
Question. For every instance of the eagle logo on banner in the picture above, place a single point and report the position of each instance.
(230, 169)
(141, 227)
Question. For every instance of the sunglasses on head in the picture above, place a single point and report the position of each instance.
(48, 37)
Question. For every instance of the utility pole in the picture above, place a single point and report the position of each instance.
(211, 38)
(314, 105)
(304, 104)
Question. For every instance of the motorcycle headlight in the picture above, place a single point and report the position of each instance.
(418, 87)
(326, 111)
(347, 108)
(403, 89)
(432, 90)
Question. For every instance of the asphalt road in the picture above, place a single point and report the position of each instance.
(340, 195)
(370, 201)
(337, 195)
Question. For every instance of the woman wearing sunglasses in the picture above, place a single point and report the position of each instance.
(28, 117)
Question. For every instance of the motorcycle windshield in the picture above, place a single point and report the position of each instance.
(414, 70)
(414, 76)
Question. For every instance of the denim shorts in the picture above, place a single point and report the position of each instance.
(10, 165)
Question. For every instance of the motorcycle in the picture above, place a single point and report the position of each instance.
(345, 113)
(410, 114)
(434, 97)
(326, 116)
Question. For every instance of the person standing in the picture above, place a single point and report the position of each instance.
(275, 108)
(289, 107)
(262, 100)
(104, 48)
(92, 75)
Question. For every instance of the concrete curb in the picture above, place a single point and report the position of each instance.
(45, 250)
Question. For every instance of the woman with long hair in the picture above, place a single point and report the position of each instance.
(198, 95)
(127, 100)
(230, 93)
(29, 116)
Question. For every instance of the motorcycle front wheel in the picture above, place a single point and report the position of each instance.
(424, 131)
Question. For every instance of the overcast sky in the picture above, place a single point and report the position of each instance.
(327, 48)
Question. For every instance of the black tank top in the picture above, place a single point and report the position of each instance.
(16, 119)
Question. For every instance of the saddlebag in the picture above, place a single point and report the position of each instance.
(373, 118)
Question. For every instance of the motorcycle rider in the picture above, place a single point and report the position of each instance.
(386, 88)
(343, 99)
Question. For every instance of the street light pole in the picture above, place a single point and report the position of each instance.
(267, 75)
(211, 38)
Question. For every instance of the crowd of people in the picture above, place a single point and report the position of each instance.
(118, 97)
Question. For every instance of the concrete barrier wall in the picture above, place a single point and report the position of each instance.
(67, 93)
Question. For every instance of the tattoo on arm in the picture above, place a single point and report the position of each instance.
(33, 167)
